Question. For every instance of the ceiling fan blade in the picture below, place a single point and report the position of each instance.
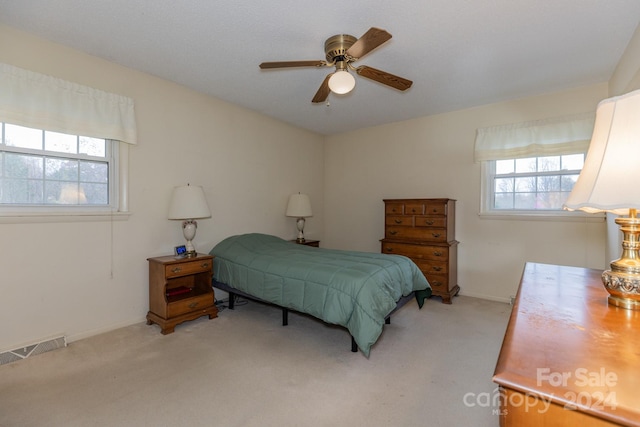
(369, 41)
(323, 92)
(384, 77)
(287, 64)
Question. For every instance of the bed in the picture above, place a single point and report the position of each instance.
(356, 290)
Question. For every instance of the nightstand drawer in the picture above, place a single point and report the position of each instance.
(188, 305)
(187, 268)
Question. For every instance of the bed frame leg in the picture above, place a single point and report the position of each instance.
(354, 346)
(232, 300)
(285, 316)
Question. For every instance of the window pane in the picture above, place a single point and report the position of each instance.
(573, 162)
(550, 163)
(504, 185)
(504, 166)
(96, 194)
(549, 183)
(92, 146)
(65, 193)
(60, 142)
(568, 181)
(504, 201)
(526, 184)
(23, 166)
(22, 191)
(526, 165)
(61, 169)
(94, 172)
(525, 200)
(19, 136)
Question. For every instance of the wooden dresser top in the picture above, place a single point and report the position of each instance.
(565, 343)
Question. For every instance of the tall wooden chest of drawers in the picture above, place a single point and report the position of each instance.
(424, 230)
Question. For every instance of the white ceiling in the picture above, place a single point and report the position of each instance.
(459, 53)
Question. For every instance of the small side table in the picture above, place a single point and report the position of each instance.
(180, 290)
(314, 243)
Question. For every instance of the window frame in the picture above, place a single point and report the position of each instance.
(487, 195)
(117, 154)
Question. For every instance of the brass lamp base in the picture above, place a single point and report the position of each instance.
(623, 280)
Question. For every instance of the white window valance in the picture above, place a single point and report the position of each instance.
(44, 102)
(556, 136)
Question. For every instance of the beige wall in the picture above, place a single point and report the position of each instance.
(433, 157)
(81, 278)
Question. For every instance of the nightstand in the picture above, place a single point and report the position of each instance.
(314, 243)
(180, 290)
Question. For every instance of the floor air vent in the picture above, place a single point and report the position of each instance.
(32, 350)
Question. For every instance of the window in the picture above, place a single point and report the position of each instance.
(533, 183)
(530, 168)
(63, 148)
(43, 168)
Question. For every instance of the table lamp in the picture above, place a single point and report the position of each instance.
(188, 204)
(299, 206)
(610, 182)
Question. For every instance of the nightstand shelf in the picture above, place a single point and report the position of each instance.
(180, 290)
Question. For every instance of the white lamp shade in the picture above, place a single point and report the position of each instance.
(188, 202)
(341, 82)
(299, 206)
(610, 178)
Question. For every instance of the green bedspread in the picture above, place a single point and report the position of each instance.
(356, 290)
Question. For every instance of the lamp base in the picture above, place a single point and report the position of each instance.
(623, 280)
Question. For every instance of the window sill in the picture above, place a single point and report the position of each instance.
(26, 217)
(547, 216)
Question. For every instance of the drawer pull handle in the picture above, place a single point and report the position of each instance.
(437, 253)
(193, 305)
(436, 234)
(398, 221)
(393, 232)
(176, 270)
(389, 249)
(413, 210)
(205, 265)
(436, 283)
(437, 268)
(428, 222)
(435, 210)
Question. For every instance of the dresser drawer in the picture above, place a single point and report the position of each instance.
(417, 233)
(438, 283)
(394, 208)
(187, 268)
(432, 267)
(404, 220)
(431, 208)
(416, 252)
(413, 208)
(431, 221)
(188, 305)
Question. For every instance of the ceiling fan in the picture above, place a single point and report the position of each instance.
(341, 51)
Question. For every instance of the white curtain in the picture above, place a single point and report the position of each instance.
(556, 136)
(44, 102)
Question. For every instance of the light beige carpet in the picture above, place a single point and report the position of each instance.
(431, 367)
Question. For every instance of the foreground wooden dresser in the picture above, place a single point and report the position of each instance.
(568, 357)
(424, 230)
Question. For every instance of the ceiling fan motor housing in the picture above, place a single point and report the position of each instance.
(336, 46)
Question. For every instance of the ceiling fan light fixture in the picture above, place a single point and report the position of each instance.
(341, 82)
